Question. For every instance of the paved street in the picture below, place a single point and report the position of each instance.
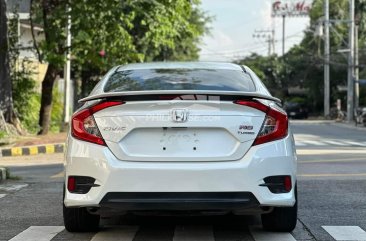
(331, 185)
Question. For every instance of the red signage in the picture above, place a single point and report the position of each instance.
(291, 8)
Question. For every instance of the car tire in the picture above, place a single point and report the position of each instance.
(80, 220)
(281, 219)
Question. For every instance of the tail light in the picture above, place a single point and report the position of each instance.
(83, 125)
(275, 125)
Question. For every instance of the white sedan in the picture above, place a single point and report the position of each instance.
(201, 137)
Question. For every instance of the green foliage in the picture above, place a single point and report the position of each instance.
(113, 32)
(25, 97)
(3, 134)
(135, 31)
(30, 112)
(57, 110)
(302, 66)
(270, 70)
(132, 31)
(52, 16)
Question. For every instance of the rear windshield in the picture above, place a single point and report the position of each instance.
(179, 79)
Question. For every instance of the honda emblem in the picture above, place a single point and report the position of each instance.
(180, 115)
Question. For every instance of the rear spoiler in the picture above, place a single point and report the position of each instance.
(180, 92)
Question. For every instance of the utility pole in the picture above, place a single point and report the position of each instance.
(283, 33)
(326, 61)
(357, 77)
(351, 44)
(268, 35)
(273, 35)
(67, 73)
(273, 41)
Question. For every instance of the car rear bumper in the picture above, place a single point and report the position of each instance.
(240, 176)
(127, 201)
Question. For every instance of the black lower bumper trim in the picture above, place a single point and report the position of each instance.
(133, 201)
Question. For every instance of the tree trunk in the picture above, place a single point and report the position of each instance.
(46, 99)
(49, 9)
(6, 100)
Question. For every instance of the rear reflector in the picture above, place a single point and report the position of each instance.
(287, 184)
(278, 184)
(83, 125)
(80, 184)
(71, 184)
(275, 125)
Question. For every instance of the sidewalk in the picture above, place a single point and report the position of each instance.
(351, 125)
(33, 145)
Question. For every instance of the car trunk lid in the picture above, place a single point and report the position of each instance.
(179, 130)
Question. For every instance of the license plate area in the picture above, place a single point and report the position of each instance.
(179, 136)
(179, 142)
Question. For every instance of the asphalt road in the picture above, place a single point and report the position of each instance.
(331, 185)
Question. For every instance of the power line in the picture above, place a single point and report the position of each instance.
(269, 36)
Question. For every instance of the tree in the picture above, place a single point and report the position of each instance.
(188, 38)
(52, 15)
(302, 66)
(112, 32)
(132, 31)
(270, 69)
(6, 100)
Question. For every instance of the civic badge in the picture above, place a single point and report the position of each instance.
(179, 115)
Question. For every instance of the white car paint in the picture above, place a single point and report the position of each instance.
(145, 152)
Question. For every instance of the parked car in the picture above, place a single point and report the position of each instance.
(164, 137)
(296, 110)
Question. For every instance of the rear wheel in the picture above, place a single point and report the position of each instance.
(281, 219)
(80, 220)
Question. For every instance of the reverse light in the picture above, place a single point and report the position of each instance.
(275, 125)
(83, 125)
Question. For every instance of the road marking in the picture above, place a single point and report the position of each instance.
(353, 143)
(196, 233)
(123, 233)
(314, 143)
(330, 151)
(2, 195)
(299, 143)
(38, 233)
(358, 159)
(349, 233)
(333, 175)
(325, 142)
(13, 187)
(336, 143)
(260, 235)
